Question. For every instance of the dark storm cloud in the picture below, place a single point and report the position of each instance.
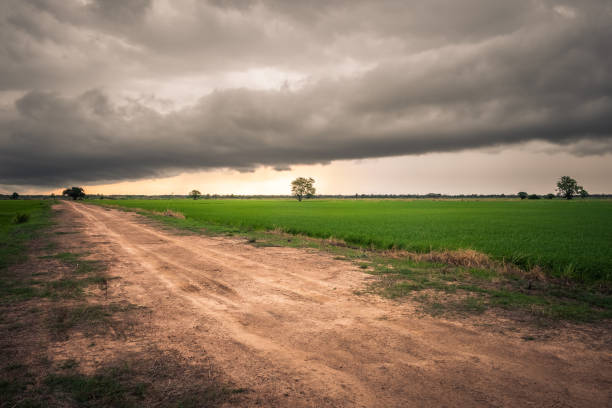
(438, 78)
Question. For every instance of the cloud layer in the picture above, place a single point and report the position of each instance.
(376, 79)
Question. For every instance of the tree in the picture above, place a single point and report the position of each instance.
(550, 196)
(567, 187)
(77, 193)
(302, 187)
(533, 197)
(195, 194)
(583, 193)
(15, 196)
(522, 195)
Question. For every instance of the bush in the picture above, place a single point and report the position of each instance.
(21, 218)
(533, 197)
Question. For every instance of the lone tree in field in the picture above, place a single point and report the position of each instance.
(583, 193)
(302, 187)
(567, 187)
(195, 194)
(523, 195)
(15, 196)
(77, 193)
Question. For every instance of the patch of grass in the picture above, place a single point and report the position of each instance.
(72, 287)
(472, 304)
(84, 274)
(82, 266)
(21, 218)
(15, 236)
(65, 288)
(68, 257)
(110, 388)
(16, 290)
(159, 378)
(14, 366)
(444, 289)
(88, 318)
(113, 387)
(149, 378)
(11, 389)
(483, 274)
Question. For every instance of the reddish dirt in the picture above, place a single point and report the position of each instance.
(286, 324)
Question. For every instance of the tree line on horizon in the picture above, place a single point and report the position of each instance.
(303, 188)
(567, 188)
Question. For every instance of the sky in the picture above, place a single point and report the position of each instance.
(397, 96)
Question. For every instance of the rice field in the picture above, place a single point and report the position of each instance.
(570, 239)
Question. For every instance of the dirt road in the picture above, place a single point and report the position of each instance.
(285, 323)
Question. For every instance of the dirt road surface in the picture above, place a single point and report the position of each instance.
(286, 324)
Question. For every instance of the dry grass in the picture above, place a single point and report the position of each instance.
(468, 258)
(334, 242)
(170, 213)
(464, 258)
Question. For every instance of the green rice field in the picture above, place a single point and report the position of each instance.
(570, 239)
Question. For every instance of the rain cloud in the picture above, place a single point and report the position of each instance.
(375, 79)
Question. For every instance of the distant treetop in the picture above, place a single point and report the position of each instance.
(76, 193)
(195, 194)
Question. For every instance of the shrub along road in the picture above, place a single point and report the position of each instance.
(287, 325)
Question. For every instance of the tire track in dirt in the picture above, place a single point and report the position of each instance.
(178, 279)
(285, 323)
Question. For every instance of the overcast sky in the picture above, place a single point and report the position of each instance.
(147, 96)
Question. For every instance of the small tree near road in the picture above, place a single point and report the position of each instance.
(567, 187)
(76, 193)
(303, 187)
(195, 194)
(523, 195)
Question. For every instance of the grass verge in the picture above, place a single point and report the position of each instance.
(20, 222)
(453, 289)
(159, 378)
(66, 279)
